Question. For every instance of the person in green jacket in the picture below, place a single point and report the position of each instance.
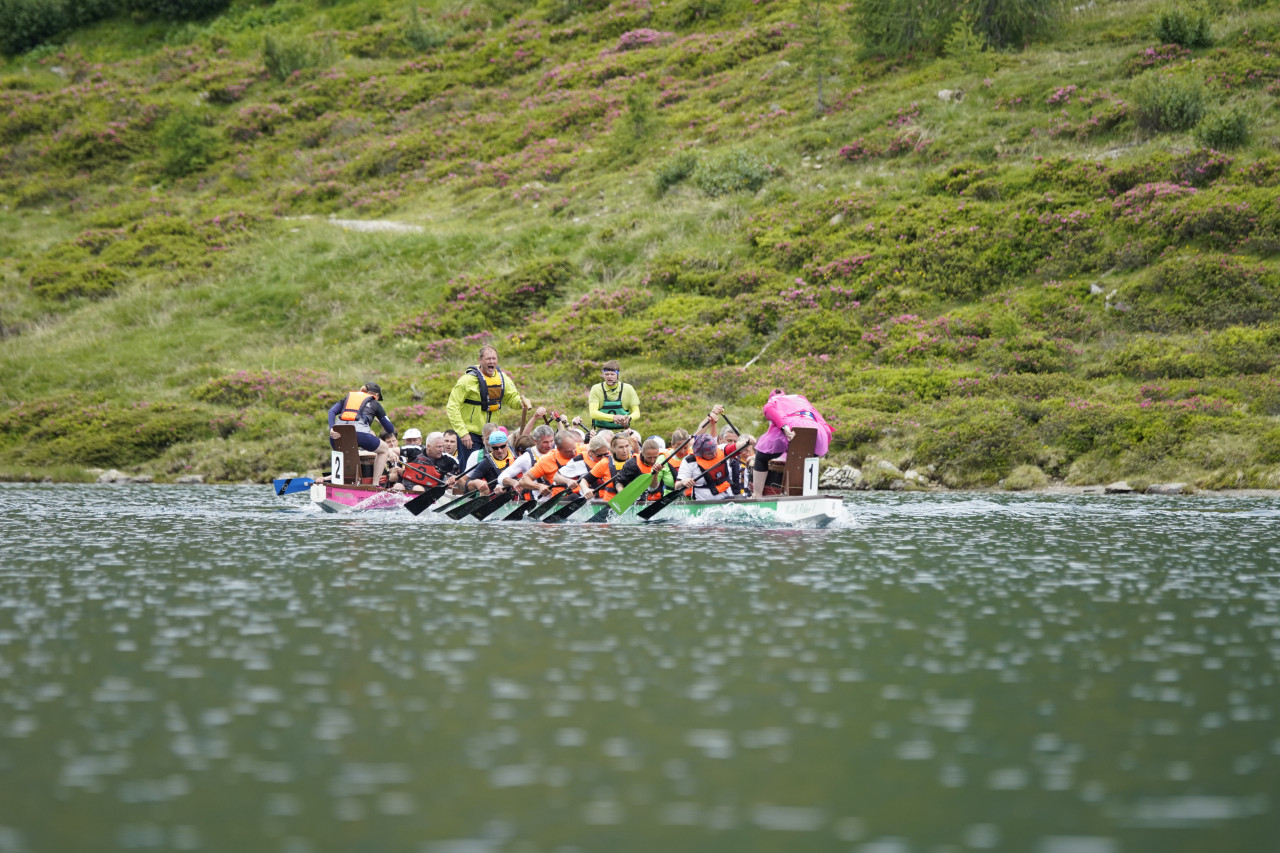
(480, 392)
(612, 404)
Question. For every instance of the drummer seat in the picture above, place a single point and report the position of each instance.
(352, 456)
(791, 465)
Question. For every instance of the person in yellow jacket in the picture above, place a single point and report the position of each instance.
(480, 392)
(612, 404)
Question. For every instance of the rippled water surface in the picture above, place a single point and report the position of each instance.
(218, 669)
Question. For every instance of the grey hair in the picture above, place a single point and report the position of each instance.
(433, 436)
(565, 434)
(600, 444)
(487, 347)
(541, 431)
(655, 444)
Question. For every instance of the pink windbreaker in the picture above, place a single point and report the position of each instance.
(794, 411)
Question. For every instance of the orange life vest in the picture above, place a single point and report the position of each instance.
(717, 479)
(354, 403)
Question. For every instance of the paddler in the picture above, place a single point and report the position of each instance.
(480, 391)
(609, 467)
(577, 474)
(433, 468)
(542, 476)
(642, 465)
(544, 438)
(612, 404)
(359, 408)
(705, 460)
(496, 460)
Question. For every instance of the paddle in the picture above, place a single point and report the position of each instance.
(650, 511)
(463, 510)
(419, 504)
(548, 504)
(290, 485)
(577, 503)
(637, 487)
(494, 505)
(519, 512)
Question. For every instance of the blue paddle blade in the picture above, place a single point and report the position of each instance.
(289, 485)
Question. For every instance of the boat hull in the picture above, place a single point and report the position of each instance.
(335, 499)
(798, 509)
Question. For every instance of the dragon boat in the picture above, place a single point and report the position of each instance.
(798, 503)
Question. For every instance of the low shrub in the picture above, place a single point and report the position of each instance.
(61, 280)
(423, 35)
(1155, 358)
(471, 306)
(1025, 477)
(1269, 446)
(24, 24)
(103, 434)
(1226, 128)
(736, 171)
(1029, 353)
(294, 391)
(177, 10)
(975, 447)
(284, 56)
(1167, 102)
(1201, 291)
(186, 144)
(1188, 28)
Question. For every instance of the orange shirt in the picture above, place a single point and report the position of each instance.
(546, 467)
(602, 473)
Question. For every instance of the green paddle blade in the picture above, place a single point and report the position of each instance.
(630, 494)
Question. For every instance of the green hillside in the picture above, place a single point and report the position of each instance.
(973, 256)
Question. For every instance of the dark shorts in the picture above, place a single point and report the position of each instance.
(762, 460)
(366, 440)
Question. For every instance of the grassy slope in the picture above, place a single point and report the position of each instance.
(965, 337)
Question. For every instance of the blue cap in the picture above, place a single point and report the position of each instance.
(498, 436)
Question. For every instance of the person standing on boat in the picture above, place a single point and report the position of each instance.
(359, 408)
(784, 412)
(612, 404)
(705, 460)
(480, 391)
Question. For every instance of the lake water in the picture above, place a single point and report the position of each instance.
(187, 668)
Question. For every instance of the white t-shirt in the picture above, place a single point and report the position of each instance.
(517, 469)
(690, 470)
